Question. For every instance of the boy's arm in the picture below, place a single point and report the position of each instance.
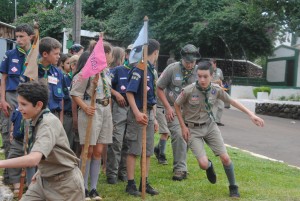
(140, 117)
(75, 116)
(169, 110)
(5, 106)
(30, 160)
(61, 114)
(185, 131)
(89, 110)
(255, 119)
(156, 125)
(120, 99)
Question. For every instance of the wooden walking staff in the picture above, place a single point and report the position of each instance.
(144, 165)
(23, 173)
(31, 73)
(90, 122)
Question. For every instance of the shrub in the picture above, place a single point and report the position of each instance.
(261, 89)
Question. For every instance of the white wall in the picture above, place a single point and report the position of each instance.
(246, 92)
(276, 71)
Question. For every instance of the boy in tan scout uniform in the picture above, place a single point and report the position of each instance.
(176, 76)
(58, 176)
(102, 126)
(193, 108)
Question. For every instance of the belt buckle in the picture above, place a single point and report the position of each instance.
(190, 125)
(105, 102)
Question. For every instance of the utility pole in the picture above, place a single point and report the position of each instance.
(77, 21)
(15, 10)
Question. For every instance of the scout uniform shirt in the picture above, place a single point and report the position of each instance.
(174, 78)
(83, 87)
(13, 65)
(67, 98)
(119, 79)
(196, 104)
(56, 84)
(135, 86)
(51, 140)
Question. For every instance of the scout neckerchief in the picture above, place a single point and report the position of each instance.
(205, 92)
(45, 68)
(31, 136)
(185, 73)
(127, 66)
(105, 86)
(21, 50)
(151, 69)
(70, 74)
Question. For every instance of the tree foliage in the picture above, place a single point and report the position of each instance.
(223, 28)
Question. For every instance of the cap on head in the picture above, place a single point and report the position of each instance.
(76, 48)
(190, 53)
(130, 47)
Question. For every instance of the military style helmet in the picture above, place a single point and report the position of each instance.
(190, 53)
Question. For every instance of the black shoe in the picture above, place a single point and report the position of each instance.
(211, 175)
(234, 191)
(156, 152)
(132, 190)
(149, 189)
(123, 178)
(112, 180)
(220, 124)
(87, 197)
(162, 159)
(179, 175)
(94, 195)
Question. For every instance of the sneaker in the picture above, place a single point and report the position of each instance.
(94, 195)
(87, 197)
(220, 124)
(162, 159)
(156, 152)
(149, 189)
(234, 191)
(211, 175)
(132, 190)
(179, 175)
(112, 180)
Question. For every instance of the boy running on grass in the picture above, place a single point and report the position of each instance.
(194, 111)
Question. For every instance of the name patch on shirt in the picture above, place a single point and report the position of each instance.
(15, 60)
(52, 80)
(178, 77)
(123, 78)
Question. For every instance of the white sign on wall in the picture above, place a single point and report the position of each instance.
(276, 71)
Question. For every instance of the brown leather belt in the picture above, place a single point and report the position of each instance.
(192, 125)
(104, 101)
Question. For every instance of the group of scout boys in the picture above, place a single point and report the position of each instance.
(186, 97)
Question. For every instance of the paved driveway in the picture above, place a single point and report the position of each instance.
(279, 139)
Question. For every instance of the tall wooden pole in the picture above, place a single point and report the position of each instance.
(144, 159)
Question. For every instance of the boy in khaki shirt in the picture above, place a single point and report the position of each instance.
(58, 176)
(194, 110)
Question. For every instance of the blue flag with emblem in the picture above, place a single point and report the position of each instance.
(137, 50)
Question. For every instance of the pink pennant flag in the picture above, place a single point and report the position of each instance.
(96, 62)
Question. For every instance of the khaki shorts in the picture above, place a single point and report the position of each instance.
(102, 126)
(134, 134)
(63, 188)
(162, 121)
(211, 135)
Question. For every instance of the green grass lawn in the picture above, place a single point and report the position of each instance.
(258, 179)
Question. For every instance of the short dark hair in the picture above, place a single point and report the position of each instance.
(34, 91)
(152, 46)
(25, 28)
(205, 65)
(213, 60)
(47, 44)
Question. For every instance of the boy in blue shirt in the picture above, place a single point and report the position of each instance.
(49, 50)
(137, 119)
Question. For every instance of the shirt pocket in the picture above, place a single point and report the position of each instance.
(57, 91)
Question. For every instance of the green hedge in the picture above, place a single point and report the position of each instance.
(261, 89)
